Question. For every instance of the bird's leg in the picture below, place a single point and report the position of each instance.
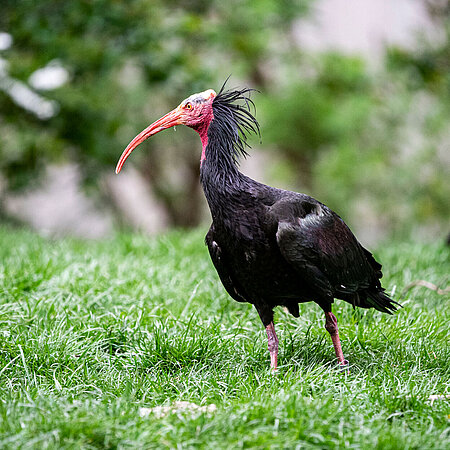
(332, 328)
(273, 345)
(266, 314)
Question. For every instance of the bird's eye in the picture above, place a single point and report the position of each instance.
(188, 106)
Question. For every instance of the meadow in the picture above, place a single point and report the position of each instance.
(93, 335)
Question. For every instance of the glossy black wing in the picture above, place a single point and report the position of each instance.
(321, 248)
(224, 271)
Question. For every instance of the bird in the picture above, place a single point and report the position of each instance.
(270, 247)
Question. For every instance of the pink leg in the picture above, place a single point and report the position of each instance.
(332, 328)
(273, 345)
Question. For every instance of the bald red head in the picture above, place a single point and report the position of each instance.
(195, 112)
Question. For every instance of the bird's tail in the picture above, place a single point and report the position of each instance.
(379, 300)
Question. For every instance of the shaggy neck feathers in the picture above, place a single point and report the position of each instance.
(226, 138)
(226, 142)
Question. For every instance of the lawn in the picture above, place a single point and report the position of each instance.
(93, 332)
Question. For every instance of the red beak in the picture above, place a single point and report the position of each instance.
(171, 119)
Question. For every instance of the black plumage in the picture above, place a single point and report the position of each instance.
(271, 247)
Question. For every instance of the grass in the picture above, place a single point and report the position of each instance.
(90, 332)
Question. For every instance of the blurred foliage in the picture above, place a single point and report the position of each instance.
(354, 139)
(373, 144)
(348, 135)
(310, 115)
(127, 62)
(401, 159)
(94, 41)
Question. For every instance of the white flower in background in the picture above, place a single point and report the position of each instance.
(5, 40)
(49, 77)
(52, 76)
(23, 96)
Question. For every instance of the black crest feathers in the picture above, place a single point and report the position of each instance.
(233, 120)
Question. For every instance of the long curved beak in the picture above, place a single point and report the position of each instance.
(171, 119)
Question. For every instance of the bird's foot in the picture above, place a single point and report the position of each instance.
(344, 366)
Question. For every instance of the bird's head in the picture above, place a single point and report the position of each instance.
(228, 113)
(195, 112)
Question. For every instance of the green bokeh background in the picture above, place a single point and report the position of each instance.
(363, 138)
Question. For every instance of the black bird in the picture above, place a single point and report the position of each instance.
(270, 247)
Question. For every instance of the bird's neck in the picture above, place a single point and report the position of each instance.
(202, 130)
(218, 165)
(218, 170)
(221, 180)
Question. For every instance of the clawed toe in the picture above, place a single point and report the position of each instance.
(344, 366)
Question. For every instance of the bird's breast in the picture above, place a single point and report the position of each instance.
(255, 262)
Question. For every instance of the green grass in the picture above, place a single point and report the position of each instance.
(90, 332)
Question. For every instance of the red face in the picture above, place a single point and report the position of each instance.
(194, 112)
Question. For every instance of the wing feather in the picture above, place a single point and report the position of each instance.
(321, 247)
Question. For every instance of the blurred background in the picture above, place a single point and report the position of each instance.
(354, 107)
